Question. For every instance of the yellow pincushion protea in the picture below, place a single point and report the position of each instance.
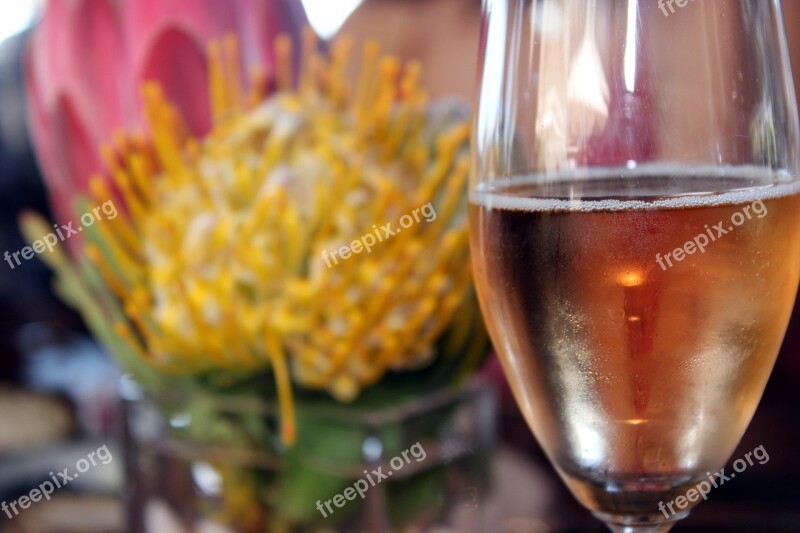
(219, 264)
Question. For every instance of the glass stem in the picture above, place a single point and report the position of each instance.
(655, 528)
(640, 524)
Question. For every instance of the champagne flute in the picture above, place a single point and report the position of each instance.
(635, 224)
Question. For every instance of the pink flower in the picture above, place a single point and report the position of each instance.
(89, 58)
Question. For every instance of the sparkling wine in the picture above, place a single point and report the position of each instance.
(637, 327)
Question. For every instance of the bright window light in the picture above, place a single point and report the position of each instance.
(16, 16)
(327, 16)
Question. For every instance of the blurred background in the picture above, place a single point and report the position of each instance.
(59, 391)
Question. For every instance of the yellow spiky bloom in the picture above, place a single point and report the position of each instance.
(219, 263)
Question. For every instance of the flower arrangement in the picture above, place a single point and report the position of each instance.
(212, 279)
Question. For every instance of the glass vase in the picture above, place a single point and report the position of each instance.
(198, 463)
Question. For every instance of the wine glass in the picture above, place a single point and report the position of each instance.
(635, 225)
